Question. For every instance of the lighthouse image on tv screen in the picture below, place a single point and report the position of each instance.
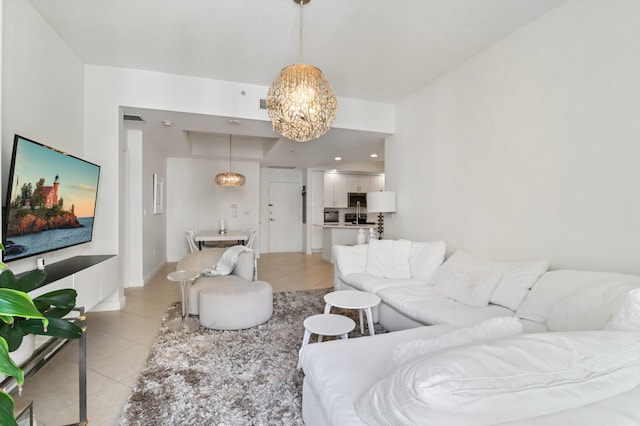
(50, 202)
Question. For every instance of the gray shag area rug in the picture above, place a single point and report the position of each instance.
(216, 377)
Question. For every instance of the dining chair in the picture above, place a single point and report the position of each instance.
(251, 234)
(191, 239)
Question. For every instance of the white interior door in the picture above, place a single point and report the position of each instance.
(285, 217)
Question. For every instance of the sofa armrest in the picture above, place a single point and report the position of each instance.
(246, 267)
(200, 260)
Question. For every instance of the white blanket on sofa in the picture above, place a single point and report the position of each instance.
(227, 262)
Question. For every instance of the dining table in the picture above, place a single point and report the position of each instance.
(215, 236)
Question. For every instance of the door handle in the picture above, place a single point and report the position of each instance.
(272, 220)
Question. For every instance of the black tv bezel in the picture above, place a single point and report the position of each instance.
(9, 186)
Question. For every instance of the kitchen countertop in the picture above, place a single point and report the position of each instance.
(348, 225)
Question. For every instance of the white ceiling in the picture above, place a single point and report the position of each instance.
(377, 50)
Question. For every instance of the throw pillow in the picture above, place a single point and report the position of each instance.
(628, 316)
(516, 280)
(426, 258)
(506, 380)
(350, 259)
(492, 328)
(467, 279)
(389, 258)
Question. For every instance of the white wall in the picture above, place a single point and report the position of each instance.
(42, 98)
(530, 150)
(133, 199)
(154, 236)
(195, 201)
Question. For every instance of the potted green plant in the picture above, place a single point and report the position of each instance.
(54, 306)
(13, 304)
(21, 315)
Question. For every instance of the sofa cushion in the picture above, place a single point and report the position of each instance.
(372, 283)
(389, 258)
(490, 329)
(570, 288)
(427, 306)
(628, 316)
(506, 380)
(467, 279)
(208, 282)
(350, 259)
(426, 258)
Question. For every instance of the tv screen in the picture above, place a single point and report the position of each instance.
(51, 199)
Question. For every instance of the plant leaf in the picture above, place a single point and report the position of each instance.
(17, 303)
(57, 327)
(7, 366)
(64, 298)
(7, 416)
(13, 334)
(27, 282)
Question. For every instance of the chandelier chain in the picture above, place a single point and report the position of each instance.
(301, 61)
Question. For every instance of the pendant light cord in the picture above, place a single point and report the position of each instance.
(229, 152)
(301, 26)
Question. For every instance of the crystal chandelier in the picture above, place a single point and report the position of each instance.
(230, 178)
(300, 102)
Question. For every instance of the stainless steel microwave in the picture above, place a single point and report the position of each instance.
(357, 197)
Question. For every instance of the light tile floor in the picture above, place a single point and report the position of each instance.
(118, 342)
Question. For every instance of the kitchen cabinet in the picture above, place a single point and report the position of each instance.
(376, 183)
(335, 190)
(316, 237)
(339, 235)
(358, 183)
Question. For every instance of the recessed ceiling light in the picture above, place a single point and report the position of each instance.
(167, 123)
(374, 155)
(338, 158)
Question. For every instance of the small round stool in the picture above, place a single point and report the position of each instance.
(236, 306)
(326, 325)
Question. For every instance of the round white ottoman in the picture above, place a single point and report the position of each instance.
(236, 305)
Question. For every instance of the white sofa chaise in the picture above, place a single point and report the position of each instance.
(577, 362)
(245, 271)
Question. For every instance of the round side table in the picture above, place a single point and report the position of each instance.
(352, 299)
(185, 323)
(326, 325)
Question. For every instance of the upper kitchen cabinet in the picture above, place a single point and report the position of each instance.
(358, 183)
(376, 183)
(335, 190)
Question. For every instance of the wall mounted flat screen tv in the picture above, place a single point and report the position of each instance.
(51, 200)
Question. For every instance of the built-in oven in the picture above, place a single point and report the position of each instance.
(331, 216)
(357, 199)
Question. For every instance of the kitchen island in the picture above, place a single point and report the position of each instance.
(342, 234)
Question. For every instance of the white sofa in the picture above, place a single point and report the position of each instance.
(578, 361)
(417, 289)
